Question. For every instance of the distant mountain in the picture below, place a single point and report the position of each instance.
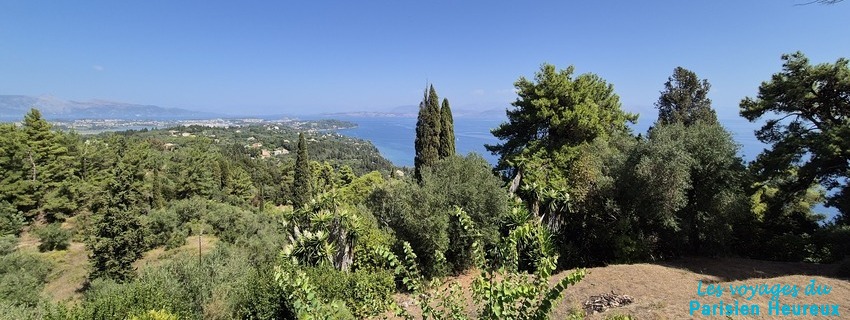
(412, 112)
(14, 107)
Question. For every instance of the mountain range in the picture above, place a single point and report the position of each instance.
(411, 111)
(14, 107)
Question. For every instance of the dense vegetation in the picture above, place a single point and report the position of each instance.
(312, 224)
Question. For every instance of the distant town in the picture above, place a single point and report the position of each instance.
(94, 126)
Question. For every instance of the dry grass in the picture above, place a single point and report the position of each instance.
(159, 255)
(664, 290)
(71, 266)
(70, 269)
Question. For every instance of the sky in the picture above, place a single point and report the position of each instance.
(305, 57)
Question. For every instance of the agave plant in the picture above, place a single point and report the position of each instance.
(309, 248)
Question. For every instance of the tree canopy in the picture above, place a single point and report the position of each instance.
(553, 116)
(427, 143)
(685, 99)
(302, 188)
(447, 134)
(557, 111)
(808, 110)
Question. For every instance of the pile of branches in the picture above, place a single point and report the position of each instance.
(605, 301)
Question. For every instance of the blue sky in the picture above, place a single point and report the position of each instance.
(302, 57)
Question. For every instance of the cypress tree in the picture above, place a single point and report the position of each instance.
(447, 133)
(427, 142)
(302, 190)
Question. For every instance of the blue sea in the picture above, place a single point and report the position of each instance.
(394, 136)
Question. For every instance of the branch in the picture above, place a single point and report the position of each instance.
(819, 1)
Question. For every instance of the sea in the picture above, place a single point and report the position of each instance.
(394, 138)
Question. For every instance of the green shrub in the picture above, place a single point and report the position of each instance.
(789, 247)
(53, 237)
(8, 244)
(10, 310)
(836, 243)
(11, 220)
(844, 268)
(107, 299)
(259, 297)
(365, 293)
(155, 315)
(227, 221)
(176, 238)
(420, 213)
(161, 225)
(22, 276)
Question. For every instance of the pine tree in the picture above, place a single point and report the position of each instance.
(447, 133)
(47, 164)
(427, 142)
(302, 190)
(117, 239)
(685, 99)
(15, 184)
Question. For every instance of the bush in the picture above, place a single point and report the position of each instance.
(22, 276)
(166, 225)
(404, 206)
(176, 238)
(179, 286)
(365, 293)
(53, 237)
(10, 310)
(844, 268)
(155, 315)
(11, 220)
(258, 297)
(420, 214)
(8, 244)
(161, 224)
(835, 243)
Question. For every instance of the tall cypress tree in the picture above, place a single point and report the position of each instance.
(302, 190)
(427, 142)
(447, 132)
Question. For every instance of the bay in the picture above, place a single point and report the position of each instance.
(394, 136)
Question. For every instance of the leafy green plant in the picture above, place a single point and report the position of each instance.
(303, 297)
(8, 244)
(53, 237)
(22, 276)
(502, 293)
(365, 292)
(155, 315)
(11, 220)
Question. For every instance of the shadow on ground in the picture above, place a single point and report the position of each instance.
(734, 269)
